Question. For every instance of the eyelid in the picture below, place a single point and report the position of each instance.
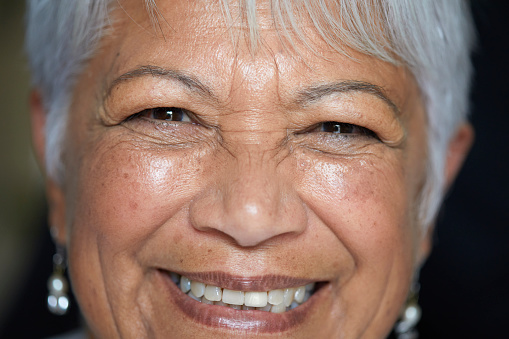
(361, 110)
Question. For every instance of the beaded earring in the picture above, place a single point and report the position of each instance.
(405, 327)
(58, 301)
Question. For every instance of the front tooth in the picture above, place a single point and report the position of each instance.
(293, 305)
(255, 299)
(185, 284)
(288, 296)
(276, 297)
(233, 297)
(193, 296)
(278, 308)
(213, 293)
(247, 308)
(300, 292)
(237, 307)
(197, 288)
(309, 287)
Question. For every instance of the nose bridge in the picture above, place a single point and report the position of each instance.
(254, 194)
(252, 198)
(251, 202)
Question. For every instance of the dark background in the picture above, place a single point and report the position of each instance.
(464, 284)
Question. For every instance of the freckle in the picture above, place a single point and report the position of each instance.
(209, 250)
(133, 205)
(126, 175)
(181, 261)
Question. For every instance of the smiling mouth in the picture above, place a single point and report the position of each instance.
(275, 301)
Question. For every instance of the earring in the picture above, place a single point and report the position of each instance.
(405, 327)
(58, 301)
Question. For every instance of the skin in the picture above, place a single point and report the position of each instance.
(248, 187)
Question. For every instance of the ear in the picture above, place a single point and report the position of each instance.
(54, 193)
(456, 153)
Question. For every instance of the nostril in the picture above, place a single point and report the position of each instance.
(249, 211)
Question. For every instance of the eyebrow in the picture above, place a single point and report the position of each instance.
(312, 94)
(189, 81)
(304, 97)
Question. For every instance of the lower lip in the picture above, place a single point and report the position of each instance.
(243, 320)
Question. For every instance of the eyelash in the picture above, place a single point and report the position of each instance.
(164, 114)
(182, 115)
(341, 129)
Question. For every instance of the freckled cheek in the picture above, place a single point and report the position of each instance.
(126, 195)
(364, 204)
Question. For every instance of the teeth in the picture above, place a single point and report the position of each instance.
(266, 308)
(198, 288)
(185, 284)
(276, 297)
(213, 293)
(278, 308)
(288, 296)
(175, 277)
(255, 299)
(275, 301)
(193, 296)
(233, 297)
(300, 292)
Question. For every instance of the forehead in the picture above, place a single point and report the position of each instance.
(216, 43)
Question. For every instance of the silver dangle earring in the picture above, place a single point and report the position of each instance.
(58, 301)
(405, 327)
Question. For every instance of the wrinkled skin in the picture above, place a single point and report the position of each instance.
(250, 186)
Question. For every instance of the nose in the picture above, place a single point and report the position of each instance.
(252, 201)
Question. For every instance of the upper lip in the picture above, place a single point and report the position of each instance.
(238, 283)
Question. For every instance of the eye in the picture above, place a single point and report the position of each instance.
(342, 128)
(165, 114)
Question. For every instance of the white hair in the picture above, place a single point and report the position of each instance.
(432, 38)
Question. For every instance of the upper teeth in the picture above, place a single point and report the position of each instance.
(276, 301)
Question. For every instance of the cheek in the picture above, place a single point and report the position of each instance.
(127, 193)
(363, 200)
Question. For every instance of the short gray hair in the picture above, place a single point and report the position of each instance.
(433, 38)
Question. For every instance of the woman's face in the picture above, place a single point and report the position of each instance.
(249, 170)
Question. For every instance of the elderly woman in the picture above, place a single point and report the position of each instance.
(246, 168)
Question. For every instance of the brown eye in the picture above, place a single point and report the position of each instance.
(166, 114)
